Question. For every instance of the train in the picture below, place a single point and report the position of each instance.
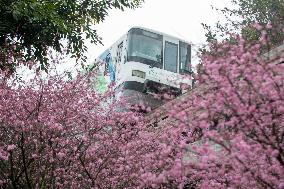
(143, 64)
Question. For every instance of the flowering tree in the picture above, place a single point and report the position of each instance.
(228, 132)
(56, 133)
(242, 112)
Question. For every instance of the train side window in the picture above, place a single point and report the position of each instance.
(171, 56)
(107, 62)
(119, 51)
(106, 68)
(184, 57)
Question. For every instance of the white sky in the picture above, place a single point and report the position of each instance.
(180, 18)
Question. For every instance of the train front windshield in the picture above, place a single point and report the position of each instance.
(145, 47)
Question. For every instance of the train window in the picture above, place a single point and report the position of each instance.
(107, 61)
(184, 57)
(119, 51)
(145, 47)
(171, 55)
(106, 68)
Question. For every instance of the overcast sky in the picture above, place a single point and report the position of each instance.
(180, 18)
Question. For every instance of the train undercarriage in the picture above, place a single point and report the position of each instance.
(148, 95)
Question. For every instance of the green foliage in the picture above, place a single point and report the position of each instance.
(245, 14)
(261, 11)
(32, 26)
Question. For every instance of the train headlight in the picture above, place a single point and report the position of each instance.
(138, 73)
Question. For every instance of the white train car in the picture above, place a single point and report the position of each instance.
(144, 62)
